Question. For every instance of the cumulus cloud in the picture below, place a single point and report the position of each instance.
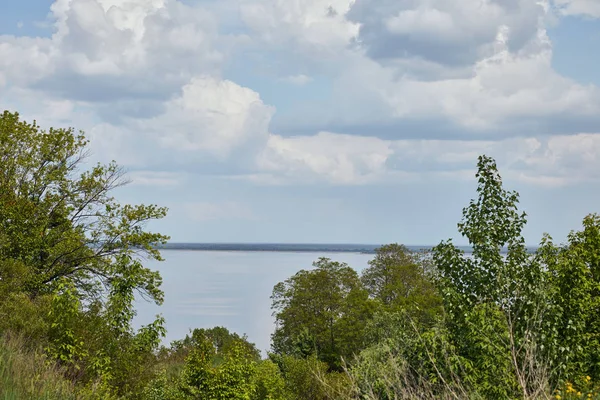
(446, 32)
(103, 50)
(496, 93)
(350, 160)
(145, 73)
(146, 79)
(318, 25)
(212, 115)
(209, 119)
(334, 157)
(503, 86)
(468, 68)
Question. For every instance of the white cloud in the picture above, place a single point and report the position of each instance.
(209, 118)
(337, 158)
(503, 88)
(484, 67)
(316, 24)
(212, 115)
(109, 50)
(205, 211)
(145, 73)
(350, 160)
(565, 160)
(590, 8)
(24, 60)
(446, 32)
(144, 78)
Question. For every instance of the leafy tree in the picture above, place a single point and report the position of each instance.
(573, 331)
(20, 313)
(494, 302)
(229, 377)
(270, 384)
(70, 250)
(220, 338)
(491, 339)
(399, 280)
(63, 223)
(326, 306)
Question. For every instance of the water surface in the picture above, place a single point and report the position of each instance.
(204, 289)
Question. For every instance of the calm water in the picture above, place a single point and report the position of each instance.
(231, 289)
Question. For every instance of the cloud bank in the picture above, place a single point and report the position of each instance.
(153, 83)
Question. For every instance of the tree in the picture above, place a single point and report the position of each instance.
(573, 331)
(326, 306)
(219, 337)
(70, 249)
(60, 221)
(495, 302)
(399, 281)
(231, 377)
(489, 341)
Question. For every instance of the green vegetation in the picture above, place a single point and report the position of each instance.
(496, 325)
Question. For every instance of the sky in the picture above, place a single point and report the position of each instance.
(320, 121)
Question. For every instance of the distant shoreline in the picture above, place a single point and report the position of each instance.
(292, 247)
(273, 247)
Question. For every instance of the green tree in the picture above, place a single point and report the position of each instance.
(230, 376)
(495, 302)
(573, 332)
(327, 307)
(70, 250)
(400, 280)
(270, 384)
(61, 222)
(491, 339)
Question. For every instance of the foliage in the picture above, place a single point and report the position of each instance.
(587, 389)
(325, 307)
(220, 338)
(494, 302)
(215, 364)
(399, 280)
(270, 384)
(309, 378)
(60, 222)
(70, 257)
(574, 275)
(499, 324)
(410, 361)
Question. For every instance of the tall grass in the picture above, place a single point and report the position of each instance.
(27, 375)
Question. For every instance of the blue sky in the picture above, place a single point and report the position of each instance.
(320, 120)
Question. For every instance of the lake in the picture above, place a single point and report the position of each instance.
(204, 289)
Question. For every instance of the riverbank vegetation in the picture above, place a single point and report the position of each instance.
(501, 323)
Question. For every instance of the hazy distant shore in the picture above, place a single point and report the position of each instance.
(292, 247)
(273, 247)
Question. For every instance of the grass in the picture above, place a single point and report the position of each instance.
(27, 375)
